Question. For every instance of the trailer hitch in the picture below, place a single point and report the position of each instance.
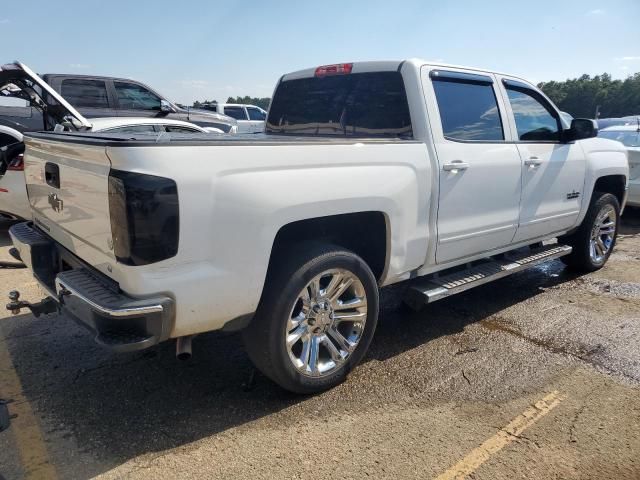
(44, 306)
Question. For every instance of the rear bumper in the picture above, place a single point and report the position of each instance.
(120, 322)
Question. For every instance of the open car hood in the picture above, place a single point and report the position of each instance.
(19, 81)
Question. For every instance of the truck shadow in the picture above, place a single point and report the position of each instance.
(630, 221)
(111, 408)
(400, 332)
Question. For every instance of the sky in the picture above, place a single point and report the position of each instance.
(196, 50)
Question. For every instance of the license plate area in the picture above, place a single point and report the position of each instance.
(47, 258)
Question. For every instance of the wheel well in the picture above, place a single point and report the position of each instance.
(614, 184)
(364, 233)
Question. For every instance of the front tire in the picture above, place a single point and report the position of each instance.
(316, 318)
(594, 240)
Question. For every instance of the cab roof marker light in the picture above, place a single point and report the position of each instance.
(335, 69)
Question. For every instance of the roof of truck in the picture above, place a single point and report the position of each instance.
(391, 65)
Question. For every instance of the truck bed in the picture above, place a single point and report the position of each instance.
(232, 203)
(197, 139)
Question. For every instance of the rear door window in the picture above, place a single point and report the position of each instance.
(132, 96)
(356, 104)
(85, 93)
(468, 108)
(236, 112)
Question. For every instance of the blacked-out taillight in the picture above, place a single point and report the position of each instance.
(145, 221)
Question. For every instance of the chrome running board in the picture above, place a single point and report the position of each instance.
(438, 286)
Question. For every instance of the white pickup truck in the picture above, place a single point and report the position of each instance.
(368, 174)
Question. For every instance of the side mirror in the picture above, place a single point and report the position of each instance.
(166, 107)
(581, 128)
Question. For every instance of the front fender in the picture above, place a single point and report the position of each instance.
(604, 158)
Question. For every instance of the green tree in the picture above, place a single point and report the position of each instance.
(258, 102)
(582, 96)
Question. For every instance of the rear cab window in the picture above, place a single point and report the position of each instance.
(369, 104)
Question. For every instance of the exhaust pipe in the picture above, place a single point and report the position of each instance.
(183, 347)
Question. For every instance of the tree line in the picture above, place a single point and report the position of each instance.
(584, 97)
(600, 95)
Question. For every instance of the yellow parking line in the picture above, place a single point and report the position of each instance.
(25, 427)
(502, 438)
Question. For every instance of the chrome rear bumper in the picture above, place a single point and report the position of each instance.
(119, 321)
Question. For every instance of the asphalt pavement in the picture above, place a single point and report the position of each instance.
(534, 376)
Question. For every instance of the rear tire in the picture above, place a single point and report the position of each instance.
(301, 336)
(594, 240)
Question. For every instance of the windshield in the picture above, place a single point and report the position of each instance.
(629, 138)
(359, 104)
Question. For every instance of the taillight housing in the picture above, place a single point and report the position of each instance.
(336, 69)
(17, 164)
(145, 219)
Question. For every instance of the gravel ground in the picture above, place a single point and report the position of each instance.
(449, 389)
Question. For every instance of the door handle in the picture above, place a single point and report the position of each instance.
(533, 162)
(52, 174)
(455, 166)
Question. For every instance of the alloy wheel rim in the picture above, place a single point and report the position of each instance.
(326, 322)
(603, 234)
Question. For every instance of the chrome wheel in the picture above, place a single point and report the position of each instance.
(603, 234)
(326, 323)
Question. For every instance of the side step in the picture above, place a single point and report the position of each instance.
(436, 287)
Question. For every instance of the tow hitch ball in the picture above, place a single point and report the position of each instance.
(44, 306)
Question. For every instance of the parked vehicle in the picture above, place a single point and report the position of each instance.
(613, 122)
(629, 136)
(9, 135)
(13, 192)
(250, 118)
(95, 96)
(369, 174)
(14, 203)
(147, 125)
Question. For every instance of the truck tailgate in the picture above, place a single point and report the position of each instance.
(67, 184)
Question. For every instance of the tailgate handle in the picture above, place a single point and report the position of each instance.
(52, 174)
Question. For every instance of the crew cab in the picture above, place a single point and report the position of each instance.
(368, 174)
